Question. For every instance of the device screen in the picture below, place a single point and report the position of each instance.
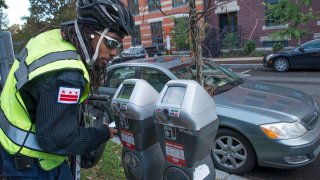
(126, 91)
(174, 95)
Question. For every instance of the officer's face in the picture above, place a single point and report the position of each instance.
(108, 47)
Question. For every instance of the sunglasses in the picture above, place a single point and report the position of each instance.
(111, 42)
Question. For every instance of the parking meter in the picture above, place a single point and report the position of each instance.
(133, 113)
(186, 123)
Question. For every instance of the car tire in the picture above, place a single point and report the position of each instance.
(281, 65)
(232, 152)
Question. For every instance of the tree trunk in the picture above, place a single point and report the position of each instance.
(195, 39)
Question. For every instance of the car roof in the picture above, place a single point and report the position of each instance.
(167, 62)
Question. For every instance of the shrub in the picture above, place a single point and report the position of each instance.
(230, 41)
(277, 46)
(249, 46)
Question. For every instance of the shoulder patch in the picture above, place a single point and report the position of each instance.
(68, 95)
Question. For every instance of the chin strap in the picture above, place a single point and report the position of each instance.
(83, 46)
(96, 52)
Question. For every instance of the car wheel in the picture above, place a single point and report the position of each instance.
(232, 152)
(281, 65)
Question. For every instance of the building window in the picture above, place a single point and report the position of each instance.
(153, 6)
(176, 3)
(133, 6)
(270, 20)
(271, 43)
(156, 32)
(137, 39)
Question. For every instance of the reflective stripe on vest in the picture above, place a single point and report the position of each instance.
(18, 136)
(23, 71)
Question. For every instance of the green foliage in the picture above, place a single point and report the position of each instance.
(277, 46)
(4, 19)
(43, 13)
(109, 167)
(3, 4)
(249, 46)
(180, 36)
(230, 41)
(290, 12)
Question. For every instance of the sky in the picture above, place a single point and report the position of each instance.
(17, 9)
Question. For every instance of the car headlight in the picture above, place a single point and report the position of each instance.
(269, 56)
(283, 130)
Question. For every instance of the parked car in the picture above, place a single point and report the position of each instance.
(306, 56)
(136, 52)
(260, 123)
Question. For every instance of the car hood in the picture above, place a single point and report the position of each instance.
(279, 104)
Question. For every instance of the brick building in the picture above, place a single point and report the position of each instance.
(245, 17)
(152, 26)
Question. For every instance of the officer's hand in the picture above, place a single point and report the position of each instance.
(113, 132)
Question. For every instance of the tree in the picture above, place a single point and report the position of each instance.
(181, 36)
(290, 13)
(44, 13)
(4, 22)
(3, 4)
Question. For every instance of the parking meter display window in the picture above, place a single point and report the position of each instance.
(126, 91)
(174, 95)
(196, 145)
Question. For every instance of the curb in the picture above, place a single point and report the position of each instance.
(220, 175)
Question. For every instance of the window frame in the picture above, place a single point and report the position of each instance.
(156, 39)
(133, 7)
(152, 7)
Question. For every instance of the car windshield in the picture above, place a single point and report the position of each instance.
(213, 75)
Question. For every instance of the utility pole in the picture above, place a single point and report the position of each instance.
(6, 52)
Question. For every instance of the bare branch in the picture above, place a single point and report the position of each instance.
(255, 17)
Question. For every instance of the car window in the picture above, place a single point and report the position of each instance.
(116, 76)
(212, 74)
(312, 45)
(156, 78)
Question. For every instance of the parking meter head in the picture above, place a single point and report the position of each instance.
(186, 122)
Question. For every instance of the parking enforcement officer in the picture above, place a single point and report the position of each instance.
(47, 83)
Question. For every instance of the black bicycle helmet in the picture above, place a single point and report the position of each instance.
(112, 14)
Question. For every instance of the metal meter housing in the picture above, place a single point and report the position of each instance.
(186, 123)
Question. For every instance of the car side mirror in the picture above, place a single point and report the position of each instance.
(301, 48)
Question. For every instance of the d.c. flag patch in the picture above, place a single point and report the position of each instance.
(68, 95)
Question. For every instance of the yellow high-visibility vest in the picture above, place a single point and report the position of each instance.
(43, 54)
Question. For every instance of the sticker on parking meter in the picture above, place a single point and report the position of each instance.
(127, 139)
(174, 112)
(175, 153)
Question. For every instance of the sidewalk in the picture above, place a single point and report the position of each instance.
(239, 62)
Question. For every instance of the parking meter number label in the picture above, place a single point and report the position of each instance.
(127, 139)
(175, 153)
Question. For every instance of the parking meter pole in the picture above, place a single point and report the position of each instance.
(132, 104)
(186, 124)
(6, 54)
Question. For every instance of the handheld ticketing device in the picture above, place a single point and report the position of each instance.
(133, 113)
(186, 124)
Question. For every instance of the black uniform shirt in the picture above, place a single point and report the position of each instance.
(57, 125)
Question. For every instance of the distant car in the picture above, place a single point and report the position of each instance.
(306, 56)
(136, 52)
(260, 123)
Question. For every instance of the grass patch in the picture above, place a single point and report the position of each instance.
(109, 167)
